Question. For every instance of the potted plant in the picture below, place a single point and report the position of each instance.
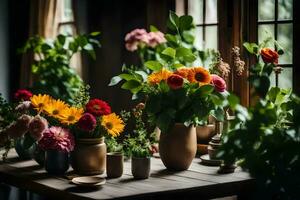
(115, 158)
(96, 122)
(139, 145)
(177, 98)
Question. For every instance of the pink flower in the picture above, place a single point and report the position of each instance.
(218, 82)
(23, 106)
(57, 138)
(37, 127)
(87, 122)
(156, 38)
(18, 128)
(175, 81)
(135, 38)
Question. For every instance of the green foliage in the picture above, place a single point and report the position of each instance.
(51, 68)
(265, 138)
(113, 145)
(189, 105)
(7, 113)
(82, 97)
(138, 143)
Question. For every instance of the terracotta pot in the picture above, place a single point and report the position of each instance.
(140, 167)
(89, 156)
(178, 147)
(114, 164)
(56, 162)
(205, 133)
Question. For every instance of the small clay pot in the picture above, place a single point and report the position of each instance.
(140, 167)
(114, 164)
(56, 162)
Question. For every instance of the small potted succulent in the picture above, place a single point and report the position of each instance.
(114, 158)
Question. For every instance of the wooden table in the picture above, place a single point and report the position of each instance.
(199, 182)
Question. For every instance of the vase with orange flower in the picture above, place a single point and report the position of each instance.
(97, 122)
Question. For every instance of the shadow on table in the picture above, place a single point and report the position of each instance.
(78, 189)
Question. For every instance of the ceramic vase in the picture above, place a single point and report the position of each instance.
(178, 147)
(89, 156)
(56, 162)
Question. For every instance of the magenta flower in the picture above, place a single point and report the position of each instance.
(218, 82)
(18, 128)
(37, 127)
(57, 138)
(87, 122)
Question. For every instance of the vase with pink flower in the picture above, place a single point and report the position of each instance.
(57, 142)
(96, 123)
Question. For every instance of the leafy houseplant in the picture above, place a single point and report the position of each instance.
(267, 142)
(139, 145)
(51, 67)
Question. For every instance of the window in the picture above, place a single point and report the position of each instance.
(277, 21)
(205, 17)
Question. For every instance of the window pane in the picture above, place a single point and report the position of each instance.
(211, 14)
(211, 37)
(285, 39)
(285, 9)
(286, 78)
(199, 37)
(68, 13)
(195, 9)
(266, 10)
(265, 31)
(273, 80)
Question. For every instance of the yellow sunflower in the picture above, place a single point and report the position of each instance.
(200, 75)
(159, 76)
(55, 108)
(70, 115)
(113, 124)
(40, 101)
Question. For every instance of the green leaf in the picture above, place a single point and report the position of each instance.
(92, 54)
(153, 28)
(251, 47)
(233, 101)
(173, 21)
(61, 39)
(171, 38)
(185, 22)
(153, 65)
(186, 54)
(272, 94)
(128, 77)
(177, 65)
(169, 52)
(96, 33)
(142, 74)
(188, 37)
(114, 80)
(131, 85)
(218, 114)
(205, 90)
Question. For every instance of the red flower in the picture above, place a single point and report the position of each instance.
(218, 82)
(22, 95)
(87, 122)
(175, 81)
(98, 107)
(269, 55)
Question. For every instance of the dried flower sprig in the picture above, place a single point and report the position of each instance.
(238, 64)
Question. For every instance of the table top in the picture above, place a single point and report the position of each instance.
(199, 180)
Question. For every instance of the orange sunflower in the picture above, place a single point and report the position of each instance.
(159, 76)
(70, 115)
(199, 75)
(183, 72)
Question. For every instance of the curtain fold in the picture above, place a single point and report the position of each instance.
(44, 19)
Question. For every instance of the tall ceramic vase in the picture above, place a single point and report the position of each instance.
(178, 147)
(89, 156)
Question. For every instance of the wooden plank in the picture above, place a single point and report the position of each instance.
(202, 181)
